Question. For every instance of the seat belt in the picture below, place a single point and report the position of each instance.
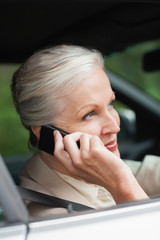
(34, 196)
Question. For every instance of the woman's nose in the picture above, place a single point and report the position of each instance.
(111, 125)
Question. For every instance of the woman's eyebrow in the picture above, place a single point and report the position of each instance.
(90, 105)
(86, 106)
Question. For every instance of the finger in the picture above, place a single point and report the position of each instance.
(70, 143)
(85, 146)
(106, 156)
(99, 151)
(58, 140)
(96, 145)
(62, 155)
(96, 141)
(59, 150)
(85, 141)
(75, 135)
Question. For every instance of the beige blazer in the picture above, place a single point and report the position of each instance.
(147, 173)
(39, 177)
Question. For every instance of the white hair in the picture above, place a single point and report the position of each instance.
(40, 85)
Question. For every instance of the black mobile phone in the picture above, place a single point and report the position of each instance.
(46, 141)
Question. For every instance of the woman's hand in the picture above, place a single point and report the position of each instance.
(93, 163)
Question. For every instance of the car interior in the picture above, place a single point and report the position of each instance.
(111, 27)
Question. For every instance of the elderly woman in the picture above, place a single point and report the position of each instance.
(66, 87)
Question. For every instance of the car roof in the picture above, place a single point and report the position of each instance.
(105, 25)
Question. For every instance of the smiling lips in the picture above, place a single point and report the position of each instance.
(111, 146)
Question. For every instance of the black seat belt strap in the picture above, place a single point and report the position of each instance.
(51, 201)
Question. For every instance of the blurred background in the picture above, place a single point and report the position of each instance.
(126, 63)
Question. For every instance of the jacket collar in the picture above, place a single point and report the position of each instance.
(50, 182)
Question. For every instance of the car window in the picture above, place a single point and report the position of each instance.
(15, 141)
(2, 216)
(129, 65)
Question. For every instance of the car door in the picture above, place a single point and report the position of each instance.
(13, 213)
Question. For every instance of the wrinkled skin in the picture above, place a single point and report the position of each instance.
(97, 165)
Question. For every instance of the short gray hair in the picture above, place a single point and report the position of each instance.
(39, 85)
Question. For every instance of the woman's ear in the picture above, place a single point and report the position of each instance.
(36, 130)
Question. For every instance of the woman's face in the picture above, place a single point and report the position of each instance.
(89, 108)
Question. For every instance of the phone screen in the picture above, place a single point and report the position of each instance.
(46, 141)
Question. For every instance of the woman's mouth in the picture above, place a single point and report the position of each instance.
(111, 146)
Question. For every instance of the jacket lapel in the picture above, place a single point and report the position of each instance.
(51, 183)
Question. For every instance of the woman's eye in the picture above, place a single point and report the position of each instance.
(111, 105)
(88, 115)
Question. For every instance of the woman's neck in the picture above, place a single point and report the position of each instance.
(53, 163)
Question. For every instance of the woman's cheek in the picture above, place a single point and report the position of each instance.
(92, 127)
